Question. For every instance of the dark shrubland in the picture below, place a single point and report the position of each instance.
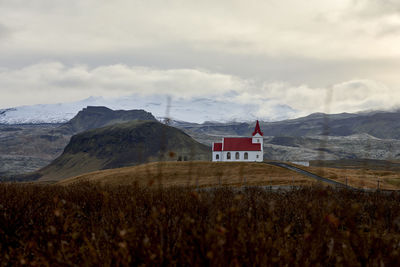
(86, 224)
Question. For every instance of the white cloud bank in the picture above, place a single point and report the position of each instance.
(52, 82)
(273, 54)
(316, 29)
(274, 39)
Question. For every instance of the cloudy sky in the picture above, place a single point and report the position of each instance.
(312, 56)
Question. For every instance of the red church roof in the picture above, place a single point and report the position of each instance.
(240, 144)
(217, 147)
(257, 130)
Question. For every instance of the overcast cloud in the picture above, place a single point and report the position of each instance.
(271, 53)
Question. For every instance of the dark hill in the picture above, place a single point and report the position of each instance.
(121, 145)
(97, 117)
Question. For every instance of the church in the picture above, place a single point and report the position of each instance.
(240, 148)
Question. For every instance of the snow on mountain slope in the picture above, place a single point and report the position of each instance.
(193, 110)
(50, 113)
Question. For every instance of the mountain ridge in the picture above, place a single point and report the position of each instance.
(93, 117)
(383, 125)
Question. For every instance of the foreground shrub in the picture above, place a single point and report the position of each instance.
(86, 224)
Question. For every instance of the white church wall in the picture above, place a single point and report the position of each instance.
(257, 139)
(252, 156)
(214, 156)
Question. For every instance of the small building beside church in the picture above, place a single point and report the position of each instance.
(240, 148)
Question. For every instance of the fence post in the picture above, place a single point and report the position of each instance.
(270, 183)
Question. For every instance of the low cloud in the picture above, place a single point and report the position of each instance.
(316, 44)
(377, 7)
(4, 31)
(256, 28)
(53, 82)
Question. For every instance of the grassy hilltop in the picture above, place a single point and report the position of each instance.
(200, 173)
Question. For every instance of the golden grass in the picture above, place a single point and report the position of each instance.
(203, 174)
(360, 178)
(195, 174)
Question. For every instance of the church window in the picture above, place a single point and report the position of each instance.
(237, 155)
(246, 155)
(228, 155)
(217, 156)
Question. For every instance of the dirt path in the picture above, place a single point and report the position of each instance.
(309, 174)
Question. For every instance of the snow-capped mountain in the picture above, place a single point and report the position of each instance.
(44, 113)
(193, 110)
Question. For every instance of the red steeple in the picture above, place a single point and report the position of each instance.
(257, 130)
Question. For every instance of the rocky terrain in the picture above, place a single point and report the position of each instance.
(26, 148)
(287, 148)
(359, 146)
(374, 135)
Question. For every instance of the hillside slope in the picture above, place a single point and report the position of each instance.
(121, 145)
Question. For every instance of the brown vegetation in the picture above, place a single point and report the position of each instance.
(91, 225)
(196, 174)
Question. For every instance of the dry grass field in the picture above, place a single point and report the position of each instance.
(360, 178)
(200, 174)
(205, 174)
(86, 224)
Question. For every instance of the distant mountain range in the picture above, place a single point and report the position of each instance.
(383, 125)
(193, 110)
(374, 135)
(217, 117)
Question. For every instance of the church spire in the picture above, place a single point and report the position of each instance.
(257, 130)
